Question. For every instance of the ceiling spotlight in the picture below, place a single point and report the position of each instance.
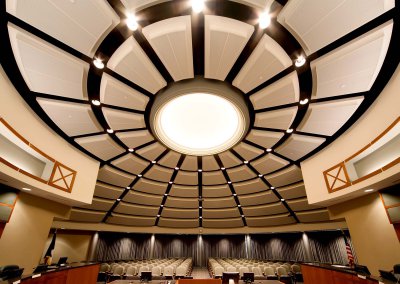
(223, 168)
(119, 199)
(272, 187)
(260, 175)
(229, 182)
(369, 190)
(199, 170)
(109, 130)
(131, 22)
(200, 207)
(153, 162)
(197, 5)
(300, 61)
(165, 194)
(139, 175)
(239, 205)
(131, 150)
(161, 205)
(96, 102)
(282, 199)
(177, 168)
(243, 216)
(304, 102)
(245, 162)
(234, 194)
(98, 63)
(127, 187)
(170, 182)
(264, 20)
(289, 130)
(200, 217)
(158, 215)
(269, 150)
(26, 189)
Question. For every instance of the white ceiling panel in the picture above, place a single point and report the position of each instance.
(225, 39)
(90, 216)
(115, 177)
(188, 178)
(171, 39)
(284, 91)
(128, 220)
(151, 152)
(138, 210)
(137, 5)
(131, 163)
(266, 221)
(99, 204)
(223, 223)
(130, 61)
(184, 191)
(72, 118)
(47, 69)
(328, 117)
(107, 191)
(247, 151)
(267, 60)
(159, 173)
(182, 202)
(215, 177)
(149, 186)
(250, 186)
(240, 173)
(223, 202)
(299, 17)
(313, 216)
(267, 139)
(269, 163)
(297, 146)
(264, 210)
(353, 67)
(220, 213)
(285, 177)
(142, 198)
(102, 146)
(113, 92)
(133, 139)
(180, 213)
(258, 198)
(277, 119)
(292, 191)
(119, 120)
(68, 21)
(216, 191)
(178, 223)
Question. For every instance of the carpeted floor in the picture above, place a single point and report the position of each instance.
(200, 273)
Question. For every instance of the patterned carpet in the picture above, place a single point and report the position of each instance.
(200, 273)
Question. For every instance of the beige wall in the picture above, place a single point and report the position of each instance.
(74, 245)
(24, 120)
(373, 237)
(25, 235)
(384, 111)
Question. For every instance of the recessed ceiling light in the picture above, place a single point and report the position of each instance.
(161, 205)
(139, 175)
(165, 194)
(229, 182)
(260, 175)
(127, 187)
(131, 22)
(170, 182)
(234, 194)
(118, 199)
(243, 216)
(304, 102)
(200, 217)
(239, 205)
(153, 162)
(177, 168)
(96, 102)
(158, 215)
(200, 207)
(197, 5)
(131, 150)
(290, 130)
(272, 187)
(369, 190)
(26, 189)
(300, 61)
(269, 150)
(264, 20)
(199, 170)
(223, 168)
(282, 199)
(109, 130)
(98, 63)
(245, 162)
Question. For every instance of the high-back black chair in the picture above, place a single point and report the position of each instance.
(396, 272)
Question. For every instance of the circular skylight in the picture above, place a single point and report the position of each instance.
(199, 123)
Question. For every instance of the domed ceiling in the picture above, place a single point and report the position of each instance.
(93, 69)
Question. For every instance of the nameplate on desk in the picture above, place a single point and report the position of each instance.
(36, 275)
(17, 282)
(361, 276)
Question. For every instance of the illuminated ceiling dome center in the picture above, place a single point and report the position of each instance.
(200, 118)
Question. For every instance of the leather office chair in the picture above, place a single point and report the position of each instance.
(396, 272)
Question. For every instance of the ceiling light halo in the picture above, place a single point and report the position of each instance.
(199, 117)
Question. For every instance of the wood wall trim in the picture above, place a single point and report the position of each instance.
(59, 173)
(342, 165)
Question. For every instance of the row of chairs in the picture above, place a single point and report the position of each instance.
(167, 268)
(286, 272)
